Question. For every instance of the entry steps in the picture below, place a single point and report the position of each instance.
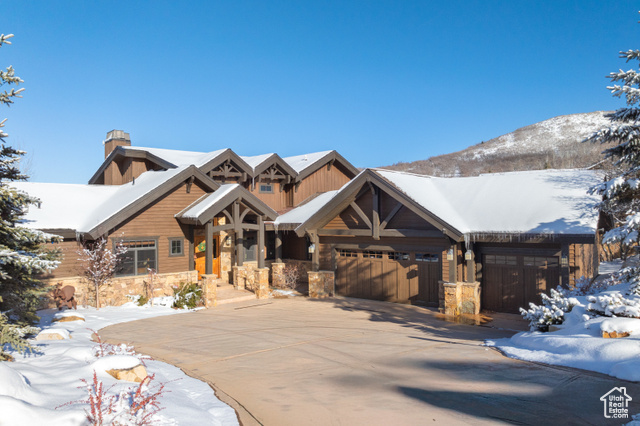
(226, 293)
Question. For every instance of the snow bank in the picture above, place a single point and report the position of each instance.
(35, 384)
(578, 342)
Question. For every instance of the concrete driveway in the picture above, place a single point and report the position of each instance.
(357, 362)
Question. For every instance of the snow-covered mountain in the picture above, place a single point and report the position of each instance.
(554, 143)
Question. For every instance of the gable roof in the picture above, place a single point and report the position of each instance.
(298, 167)
(349, 192)
(95, 209)
(306, 164)
(209, 205)
(528, 202)
(544, 202)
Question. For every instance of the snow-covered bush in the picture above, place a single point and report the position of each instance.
(551, 311)
(187, 296)
(585, 286)
(614, 305)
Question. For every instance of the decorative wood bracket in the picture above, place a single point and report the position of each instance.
(189, 184)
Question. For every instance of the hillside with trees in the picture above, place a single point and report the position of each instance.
(551, 144)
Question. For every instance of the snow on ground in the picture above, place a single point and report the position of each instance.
(578, 341)
(35, 384)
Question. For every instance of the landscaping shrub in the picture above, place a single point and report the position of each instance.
(551, 311)
(187, 295)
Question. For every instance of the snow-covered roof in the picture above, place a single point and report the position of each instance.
(304, 211)
(301, 162)
(85, 207)
(179, 158)
(530, 202)
(206, 201)
(256, 160)
(63, 205)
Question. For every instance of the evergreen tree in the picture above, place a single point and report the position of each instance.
(22, 256)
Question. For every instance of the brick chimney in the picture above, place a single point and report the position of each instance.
(115, 138)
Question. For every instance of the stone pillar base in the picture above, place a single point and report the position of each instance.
(321, 284)
(459, 298)
(261, 283)
(240, 277)
(210, 290)
(277, 274)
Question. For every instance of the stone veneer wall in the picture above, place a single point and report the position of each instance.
(115, 292)
(459, 298)
(321, 284)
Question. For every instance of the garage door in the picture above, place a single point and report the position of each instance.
(511, 282)
(391, 276)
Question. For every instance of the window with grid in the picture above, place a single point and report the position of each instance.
(141, 255)
(347, 253)
(266, 188)
(176, 246)
(501, 260)
(372, 254)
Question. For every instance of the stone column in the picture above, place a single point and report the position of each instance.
(239, 277)
(277, 274)
(261, 283)
(470, 298)
(451, 298)
(321, 284)
(209, 290)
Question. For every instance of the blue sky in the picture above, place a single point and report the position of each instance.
(379, 81)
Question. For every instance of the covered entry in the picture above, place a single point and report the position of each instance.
(231, 210)
(512, 281)
(388, 275)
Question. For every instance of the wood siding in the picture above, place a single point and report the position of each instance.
(69, 266)
(276, 200)
(124, 170)
(322, 180)
(583, 261)
(157, 221)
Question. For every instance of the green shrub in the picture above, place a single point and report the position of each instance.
(187, 296)
(142, 300)
(14, 336)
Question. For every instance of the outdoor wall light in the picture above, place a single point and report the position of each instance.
(450, 254)
(564, 261)
(468, 255)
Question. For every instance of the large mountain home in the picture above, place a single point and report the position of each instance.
(377, 234)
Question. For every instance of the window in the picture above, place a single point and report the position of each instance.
(372, 254)
(501, 260)
(250, 245)
(427, 257)
(176, 247)
(540, 261)
(266, 188)
(348, 253)
(394, 255)
(140, 256)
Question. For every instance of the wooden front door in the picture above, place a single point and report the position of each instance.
(200, 248)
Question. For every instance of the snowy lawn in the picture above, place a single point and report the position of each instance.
(35, 384)
(578, 342)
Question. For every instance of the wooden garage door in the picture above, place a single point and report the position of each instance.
(510, 282)
(390, 276)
